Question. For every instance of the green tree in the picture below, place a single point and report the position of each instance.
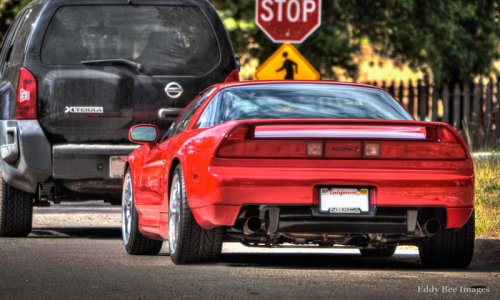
(8, 10)
(450, 40)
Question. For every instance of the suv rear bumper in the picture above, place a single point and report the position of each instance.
(28, 159)
(86, 161)
(26, 154)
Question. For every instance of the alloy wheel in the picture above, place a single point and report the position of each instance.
(174, 214)
(127, 203)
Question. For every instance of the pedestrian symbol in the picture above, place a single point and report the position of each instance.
(286, 64)
(290, 66)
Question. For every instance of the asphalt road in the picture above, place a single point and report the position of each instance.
(75, 251)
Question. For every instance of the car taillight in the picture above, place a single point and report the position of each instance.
(444, 146)
(440, 144)
(26, 95)
(239, 143)
(234, 76)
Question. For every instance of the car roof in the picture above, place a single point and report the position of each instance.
(291, 82)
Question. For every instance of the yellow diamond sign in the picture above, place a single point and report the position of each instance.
(286, 64)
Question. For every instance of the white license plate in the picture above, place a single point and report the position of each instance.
(116, 166)
(336, 200)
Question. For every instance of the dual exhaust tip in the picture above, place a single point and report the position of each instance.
(252, 225)
(431, 227)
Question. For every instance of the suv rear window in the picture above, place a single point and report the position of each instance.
(167, 40)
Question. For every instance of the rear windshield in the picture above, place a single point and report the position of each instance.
(167, 40)
(299, 101)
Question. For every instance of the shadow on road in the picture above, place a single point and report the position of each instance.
(319, 261)
(338, 261)
(80, 232)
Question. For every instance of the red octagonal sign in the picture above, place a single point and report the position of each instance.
(288, 21)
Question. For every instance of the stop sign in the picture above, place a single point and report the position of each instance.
(288, 21)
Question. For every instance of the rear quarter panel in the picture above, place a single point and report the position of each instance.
(196, 154)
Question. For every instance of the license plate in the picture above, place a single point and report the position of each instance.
(116, 166)
(337, 200)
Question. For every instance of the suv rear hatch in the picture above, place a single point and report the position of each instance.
(105, 68)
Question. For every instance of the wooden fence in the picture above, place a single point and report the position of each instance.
(473, 109)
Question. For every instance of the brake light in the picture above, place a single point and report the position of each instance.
(234, 76)
(233, 144)
(444, 146)
(26, 95)
(239, 143)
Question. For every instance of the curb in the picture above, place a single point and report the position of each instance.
(487, 250)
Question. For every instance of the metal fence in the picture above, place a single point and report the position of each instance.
(473, 109)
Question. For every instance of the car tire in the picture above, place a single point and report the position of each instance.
(135, 242)
(381, 251)
(188, 242)
(450, 248)
(16, 211)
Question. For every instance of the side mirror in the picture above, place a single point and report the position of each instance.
(143, 134)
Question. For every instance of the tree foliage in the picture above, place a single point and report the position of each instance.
(449, 40)
(8, 10)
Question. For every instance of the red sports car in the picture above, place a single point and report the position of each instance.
(290, 162)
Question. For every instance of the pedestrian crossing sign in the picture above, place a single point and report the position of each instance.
(286, 64)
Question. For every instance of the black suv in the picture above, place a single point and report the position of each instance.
(75, 75)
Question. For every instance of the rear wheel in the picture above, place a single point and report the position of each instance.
(135, 243)
(380, 251)
(450, 248)
(188, 242)
(16, 211)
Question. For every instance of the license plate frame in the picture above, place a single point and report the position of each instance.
(344, 200)
(117, 166)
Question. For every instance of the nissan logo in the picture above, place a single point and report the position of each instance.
(173, 90)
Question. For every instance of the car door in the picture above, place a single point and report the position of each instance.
(154, 173)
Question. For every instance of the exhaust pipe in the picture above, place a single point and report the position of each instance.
(252, 225)
(431, 227)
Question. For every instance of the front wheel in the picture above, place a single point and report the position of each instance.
(188, 242)
(135, 243)
(16, 211)
(450, 248)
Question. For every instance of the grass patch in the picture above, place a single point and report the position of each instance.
(487, 197)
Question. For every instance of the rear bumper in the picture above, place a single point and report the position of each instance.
(28, 158)
(26, 154)
(230, 188)
(86, 161)
(85, 168)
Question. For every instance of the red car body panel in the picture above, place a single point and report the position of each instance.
(217, 188)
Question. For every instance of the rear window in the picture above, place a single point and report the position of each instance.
(301, 101)
(167, 40)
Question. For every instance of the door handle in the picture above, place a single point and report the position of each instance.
(169, 113)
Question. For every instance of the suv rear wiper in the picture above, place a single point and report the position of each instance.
(114, 61)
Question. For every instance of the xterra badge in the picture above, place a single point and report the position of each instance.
(84, 110)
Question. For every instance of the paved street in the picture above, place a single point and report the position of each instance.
(75, 251)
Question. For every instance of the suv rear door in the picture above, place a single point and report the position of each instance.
(105, 67)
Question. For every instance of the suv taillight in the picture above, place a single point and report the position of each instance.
(234, 76)
(26, 95)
